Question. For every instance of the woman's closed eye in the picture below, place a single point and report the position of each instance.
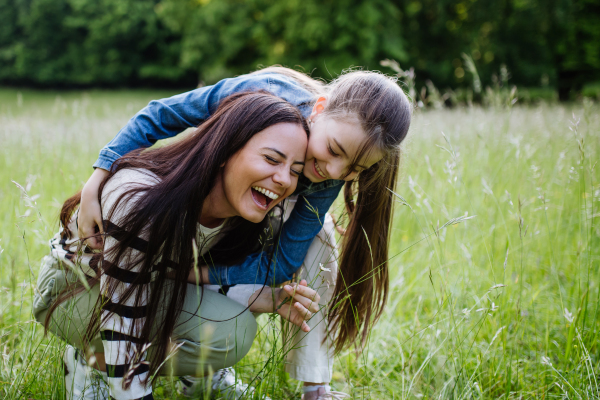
(296, 172)
(274, 161)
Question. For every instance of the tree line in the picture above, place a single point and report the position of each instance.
(78, 43)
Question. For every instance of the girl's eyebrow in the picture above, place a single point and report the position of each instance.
(340, 146)
(282, 155)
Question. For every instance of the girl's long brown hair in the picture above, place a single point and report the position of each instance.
(384, 112)
(167, 213)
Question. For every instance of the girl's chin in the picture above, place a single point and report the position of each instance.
(311, 177)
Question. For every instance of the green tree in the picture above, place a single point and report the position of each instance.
(228, 37)
(85, 42)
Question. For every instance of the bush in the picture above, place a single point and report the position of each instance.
(86, 42)
(181, 42)
(591, 90)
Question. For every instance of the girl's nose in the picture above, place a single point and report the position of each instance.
(336, 170)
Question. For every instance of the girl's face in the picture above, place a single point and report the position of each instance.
(332, 147)
(261, 174)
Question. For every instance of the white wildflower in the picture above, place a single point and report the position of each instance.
(323, 268)
(568, 315)
(546, 361)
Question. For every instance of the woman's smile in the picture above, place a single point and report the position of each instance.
(263, 197)
(261, 174)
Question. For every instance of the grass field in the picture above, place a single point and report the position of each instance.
(504, 304)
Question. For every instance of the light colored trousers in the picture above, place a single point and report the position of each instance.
(203, 346)
(309, 355)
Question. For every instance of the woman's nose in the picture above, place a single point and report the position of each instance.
(283, 177)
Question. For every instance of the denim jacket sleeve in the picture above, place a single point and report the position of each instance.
(297, 234)
(165, 118)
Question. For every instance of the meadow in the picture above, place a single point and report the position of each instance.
(494, 281)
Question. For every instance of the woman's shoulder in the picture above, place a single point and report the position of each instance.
(125, 180)
(132, 177)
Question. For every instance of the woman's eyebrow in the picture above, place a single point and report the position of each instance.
(276, 151)
(282, 155)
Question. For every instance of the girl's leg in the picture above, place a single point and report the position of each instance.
(310, 357)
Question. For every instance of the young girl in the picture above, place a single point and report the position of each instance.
(357, 123)
(160, 209)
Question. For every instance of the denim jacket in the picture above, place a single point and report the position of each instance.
(165, 118)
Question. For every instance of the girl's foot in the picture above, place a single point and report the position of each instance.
(81, 381)
(322, 394)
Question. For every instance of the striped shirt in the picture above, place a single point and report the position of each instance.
(118, 319)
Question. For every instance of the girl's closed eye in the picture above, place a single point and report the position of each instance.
(333, 153)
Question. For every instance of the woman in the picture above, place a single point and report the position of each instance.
(160, 210)
(357, 123)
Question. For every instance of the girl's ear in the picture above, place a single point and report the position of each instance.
(318, 107)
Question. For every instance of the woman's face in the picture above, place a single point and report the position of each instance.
(262, 173)
(332, 147)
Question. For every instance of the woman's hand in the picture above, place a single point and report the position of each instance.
(90, 213)
(295, 302)
(198, 276)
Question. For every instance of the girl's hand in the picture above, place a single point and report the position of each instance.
(90, 213)
(295, 302)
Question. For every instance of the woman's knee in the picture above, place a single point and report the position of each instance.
(215, 346)
(245, 331)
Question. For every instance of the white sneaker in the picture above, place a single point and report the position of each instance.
(81, 381)
(223, 385)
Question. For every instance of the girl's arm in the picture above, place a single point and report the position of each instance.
(165, 118)
(297, 234)
(90, 214)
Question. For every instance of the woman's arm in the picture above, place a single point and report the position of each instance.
(118, 316)
(295, 302)
(297, 234)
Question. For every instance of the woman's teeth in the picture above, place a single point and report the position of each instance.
(266, 192)
(319, 170)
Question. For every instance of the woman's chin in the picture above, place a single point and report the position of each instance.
(254, 216)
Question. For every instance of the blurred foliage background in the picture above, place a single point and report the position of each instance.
(181, 43)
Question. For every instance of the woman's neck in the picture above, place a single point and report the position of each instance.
(215, 208)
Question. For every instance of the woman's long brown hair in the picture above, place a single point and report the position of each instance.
(384, 112)
(167, 213)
